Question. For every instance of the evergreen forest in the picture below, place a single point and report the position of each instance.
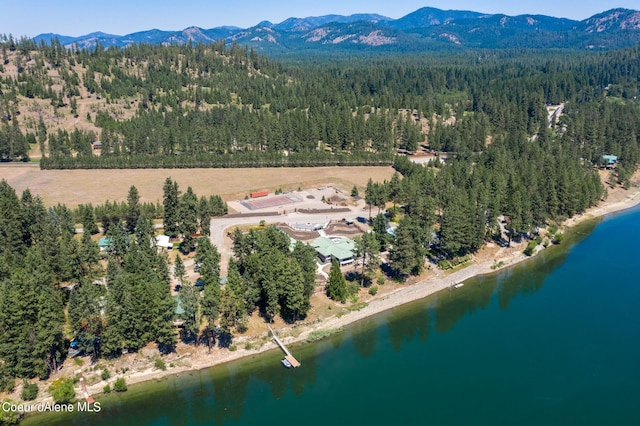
(481, 114)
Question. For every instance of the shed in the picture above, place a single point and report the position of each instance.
(163, 241)
(262, 193)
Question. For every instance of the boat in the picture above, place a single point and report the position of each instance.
(286, 363)
(458, 285)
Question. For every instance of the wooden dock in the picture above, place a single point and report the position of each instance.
(292, 360)
(83, 386)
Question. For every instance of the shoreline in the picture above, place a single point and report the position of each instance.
(424, 287)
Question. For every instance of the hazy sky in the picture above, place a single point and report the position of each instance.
(75, 17)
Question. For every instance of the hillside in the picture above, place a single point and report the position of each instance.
(213, 105)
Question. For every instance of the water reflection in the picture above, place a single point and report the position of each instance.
(305, 376)
(403, 327)
(229, 395)
(365, 337)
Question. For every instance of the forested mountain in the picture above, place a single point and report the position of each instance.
(425, 29)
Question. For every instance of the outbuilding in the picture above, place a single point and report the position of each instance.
(163, 241)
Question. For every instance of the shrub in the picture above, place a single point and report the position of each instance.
(9, 417)
(538, 239)
(559, 237)
(497, 265)
(29, 390)
(316, 335)
(531, 248)
(159, 364)
(373, 290)
(78, 361)
(7, 382)
(120, 385)
(353, 289)
(106, 389)
(62, 391)
(105, 374)
(233, 348)
(380, 281)
(444, 265)
(242, 324)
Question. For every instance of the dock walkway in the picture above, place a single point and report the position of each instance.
(292, 360)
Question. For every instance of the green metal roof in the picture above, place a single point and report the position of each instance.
(341, 248)
(179, 309)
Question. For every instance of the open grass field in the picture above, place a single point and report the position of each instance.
(73, 187)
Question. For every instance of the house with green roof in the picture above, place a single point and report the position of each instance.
(103, 243)
(339, 248)
(609, 161)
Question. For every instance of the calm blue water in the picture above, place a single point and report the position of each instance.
(554, 341)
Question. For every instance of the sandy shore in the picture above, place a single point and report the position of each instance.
(618, 200)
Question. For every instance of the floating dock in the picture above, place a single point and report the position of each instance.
(292, 360)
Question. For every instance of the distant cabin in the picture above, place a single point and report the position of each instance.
(609, 161)
(103, 243)
(258, 194)
(163, 241)
(96, 145)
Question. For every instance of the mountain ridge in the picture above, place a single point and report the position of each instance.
(419, 30)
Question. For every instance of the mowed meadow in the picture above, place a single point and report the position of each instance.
(73, 187)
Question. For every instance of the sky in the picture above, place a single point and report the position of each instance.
(79, 17)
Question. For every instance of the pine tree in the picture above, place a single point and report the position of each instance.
(13, 234)
(292, 298)
(163, 305)
(179, 271)
(170, 208)
(305, 256)
(89, 256)
(204, 216)
(406, 256)
(211, 306)
(337, 285)
(133, 209)
(188, 219)
(189, 299)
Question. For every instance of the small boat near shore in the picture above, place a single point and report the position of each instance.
(285, 362)
(459, 285)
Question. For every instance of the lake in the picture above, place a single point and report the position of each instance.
(555, 340)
